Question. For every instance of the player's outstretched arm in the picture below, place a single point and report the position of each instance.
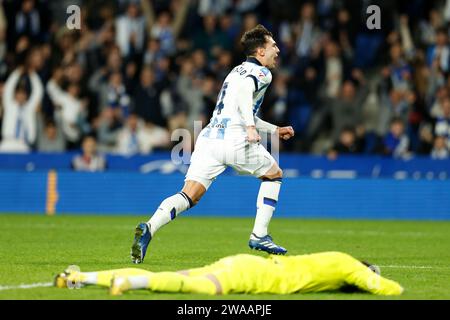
(284, 133)
(369, 281)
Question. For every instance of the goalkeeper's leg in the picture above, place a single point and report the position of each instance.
(74, 278)
(170, 282)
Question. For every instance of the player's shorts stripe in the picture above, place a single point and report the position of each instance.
(254, 80)
(173, 214)
(270, 202)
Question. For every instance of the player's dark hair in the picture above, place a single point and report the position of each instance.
(254, 38)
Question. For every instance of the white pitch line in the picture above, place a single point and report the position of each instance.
(27, 286)
(414, 267)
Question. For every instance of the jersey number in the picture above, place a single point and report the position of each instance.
(220, 105)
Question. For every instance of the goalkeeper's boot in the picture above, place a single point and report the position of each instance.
(142, 237)
(265, 244)
(119, 285)
(69, 278)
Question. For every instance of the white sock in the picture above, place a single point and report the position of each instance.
(90, 277)
(138, 282)
(168, 210)
(265, 205)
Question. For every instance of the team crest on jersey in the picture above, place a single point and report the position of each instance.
(263, 72)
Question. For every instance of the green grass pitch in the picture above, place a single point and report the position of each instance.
(34, 248)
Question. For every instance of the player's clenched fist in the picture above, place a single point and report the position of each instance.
(252, 135)
(285, 132)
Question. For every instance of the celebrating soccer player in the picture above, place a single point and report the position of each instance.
(231, 139)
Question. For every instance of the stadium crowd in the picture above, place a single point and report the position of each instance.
(139, 69)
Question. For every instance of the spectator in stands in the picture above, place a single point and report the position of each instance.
(3, 26)
(153, 52)
(347, 110)
(426, 139)
(344, 33)
(347, 144)
(90, 160)
(334, 69)
(1, 108)
(397, 103)
(213, 7)
(50, 136)
(440, 51)
(19, 119)
(118, 97)
(396, 142)
(442, 127)
(188, 85)
(399, 71)
(136, 138)
(108, 126)
(100, 77)
(69, 107)
(306, 32)
(210, 38)
(428, 28)
(168, 24)
(146, 99)
(28, 21)
(186, 44)
(440, 149)
(130, 30)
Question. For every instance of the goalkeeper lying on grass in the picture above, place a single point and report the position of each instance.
(244, 273)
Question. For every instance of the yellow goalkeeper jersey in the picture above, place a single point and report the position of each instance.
(317, 272)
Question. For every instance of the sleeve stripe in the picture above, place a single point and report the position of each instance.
(254, 80)
(264, 86)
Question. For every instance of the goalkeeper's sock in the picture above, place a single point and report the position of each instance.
(168, 210)
(265, 205)
(103, 278)
(89, 277)
(173, 282)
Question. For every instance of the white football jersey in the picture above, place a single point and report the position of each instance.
(227, 121)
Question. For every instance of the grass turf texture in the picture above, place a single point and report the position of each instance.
(35, 248)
